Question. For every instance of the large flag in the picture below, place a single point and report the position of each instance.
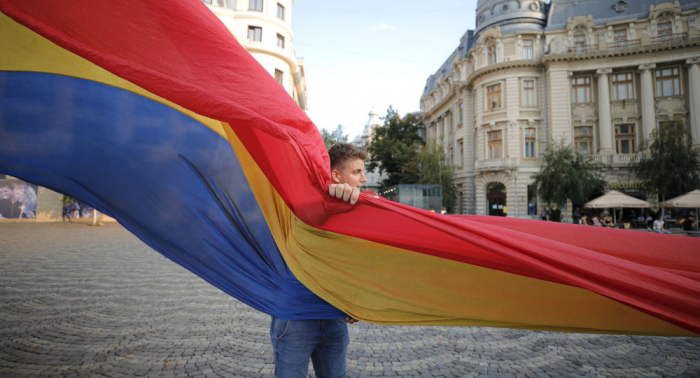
(152, 112)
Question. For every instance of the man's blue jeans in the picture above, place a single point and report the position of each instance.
(325, 342)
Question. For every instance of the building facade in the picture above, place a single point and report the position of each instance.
(264, 28)
(600, 74)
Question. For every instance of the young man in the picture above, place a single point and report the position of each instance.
(324, 341)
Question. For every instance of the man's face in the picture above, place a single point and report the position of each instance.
(352, 172)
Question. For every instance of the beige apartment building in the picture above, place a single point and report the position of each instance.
(264, 28)
(601, 74)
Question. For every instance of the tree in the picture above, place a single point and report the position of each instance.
(394, 148)
(566, 175)
(435, 170)
(668, 165)
(337, 136)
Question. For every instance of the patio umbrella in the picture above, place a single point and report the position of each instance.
(615, 199)
(690, 200)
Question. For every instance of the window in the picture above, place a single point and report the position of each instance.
(527, 48)
(279, 76)
(280, 11)
(583, 139)
(280, 41)
(492, 54)
(528, 93)
(668, 82)
(255, 33)
(493, 97)
(625, 139)
(256, 5)
(495, 144)
(622, 86)
(371, 180)
(530, 139)
(582, 89)
(461, 113)
(460, 157)
(579, 42)
(664, 31)
(620, 37)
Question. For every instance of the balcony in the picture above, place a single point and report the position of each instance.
(495, 164)
(668, 38)
(624, 43)
(583, 48)
(617, 159)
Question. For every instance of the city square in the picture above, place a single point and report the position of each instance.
(79, 301)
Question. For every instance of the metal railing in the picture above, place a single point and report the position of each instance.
(666, 38)
(624, 43)
(583, 48)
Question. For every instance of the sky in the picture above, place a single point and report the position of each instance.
(365, 54)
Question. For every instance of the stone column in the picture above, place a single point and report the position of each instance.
(605, 129)
(648, 112)
(694, 99)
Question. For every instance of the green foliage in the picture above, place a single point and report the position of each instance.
(566, 175)
(435, 170)
(336, 136)
(668, 165)
(394, 148)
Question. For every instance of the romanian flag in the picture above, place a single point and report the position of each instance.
(151, 112)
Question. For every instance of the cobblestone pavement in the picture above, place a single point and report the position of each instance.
(95, 301)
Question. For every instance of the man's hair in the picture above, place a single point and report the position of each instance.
(342, 152)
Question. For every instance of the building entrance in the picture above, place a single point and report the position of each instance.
(496, 199)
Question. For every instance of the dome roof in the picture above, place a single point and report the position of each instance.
(525, 13)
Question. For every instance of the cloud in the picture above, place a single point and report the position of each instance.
(379, 27)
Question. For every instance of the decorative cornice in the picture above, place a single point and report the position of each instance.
(692, 61)
(603, 71)
(503, 66)
(647, 67)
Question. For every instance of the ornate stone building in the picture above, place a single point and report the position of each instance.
(601, 74)
(264, 28)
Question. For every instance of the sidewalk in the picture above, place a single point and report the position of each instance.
(80, 301)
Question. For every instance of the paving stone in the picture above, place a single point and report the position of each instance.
(78, 301)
